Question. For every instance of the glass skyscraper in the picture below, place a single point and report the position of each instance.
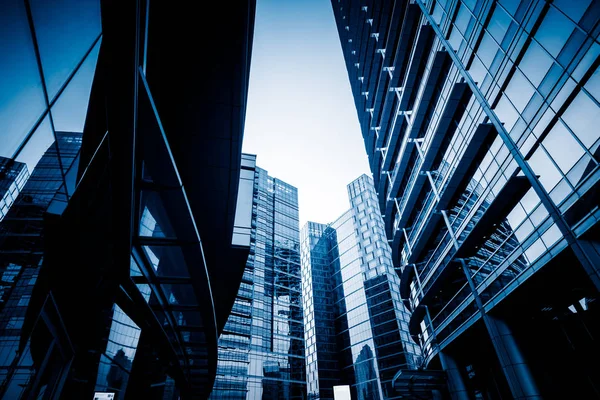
(13, 175)
(21, 255)
(356, 327)
(261, 349)
(480, 122)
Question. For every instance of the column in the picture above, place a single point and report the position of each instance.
(515, 368)
(456, 385)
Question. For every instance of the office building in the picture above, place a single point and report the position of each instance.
(144, 244)
(13, 175)
(21, 252)
(478, 118)
(261, 349)
(356, 327)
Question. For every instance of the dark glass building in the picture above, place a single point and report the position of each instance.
(356, 326)
(479, 120)
(13, 175)
(21, 252)
(261, 349)
(122, 255)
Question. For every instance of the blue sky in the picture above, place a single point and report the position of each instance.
(301, 121)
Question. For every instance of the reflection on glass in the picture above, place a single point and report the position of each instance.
(544, 167)
(13, 177)
(155, 220)
(554, 31)
(66, 28)
(364, 369)
(116, 362)
(37, 145)
(70, 109)
(583, 117)
(167, 260)
(21, 97)
(535, 63)
(180, 294)
(562, 147)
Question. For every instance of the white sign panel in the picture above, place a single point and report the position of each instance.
(104, 396)
(341, 393)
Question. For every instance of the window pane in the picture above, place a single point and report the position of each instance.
(70, 109)
(536, 63)
(583, 117)
(543, 166)
(499, 24)
(554, 31)
(519, 90)
(573, 8)
(563, 147)
(37, 145)
(21, 95)
(65, 31)
(506, 113)
(593, 84)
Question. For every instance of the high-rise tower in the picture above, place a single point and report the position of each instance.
(356, 324)
(261, 349)
(479, 119)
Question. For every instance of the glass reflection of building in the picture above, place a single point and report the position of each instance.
(13, 175)
(21, 250)
(106, 285)
(261, 349)
(356, 325)
(479, 119)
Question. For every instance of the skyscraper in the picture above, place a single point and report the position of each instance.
(21, 253)
(356, 326)
(478, 119)
(261, 349)
(145, 242)
(13, 175)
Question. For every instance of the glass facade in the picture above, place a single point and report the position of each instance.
(261, 349)
(21, 254)
(105, 285)
(46, 72)
(478, 118)
(13, 176)
(356, 324)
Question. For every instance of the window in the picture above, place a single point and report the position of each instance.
(499, 24)
(543, 166)
(15, 323)
(24, 300)
(554, 31)
(535, 63)
(583, 117)
(562, 147)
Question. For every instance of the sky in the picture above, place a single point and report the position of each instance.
(301, 121)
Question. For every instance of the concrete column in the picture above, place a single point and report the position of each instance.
(456, 385)
(515, 368)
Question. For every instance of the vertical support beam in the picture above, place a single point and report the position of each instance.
(456, 385)
(122, 40)
(513, 363)
(515, 368)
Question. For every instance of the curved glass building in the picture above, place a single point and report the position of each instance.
(123, 231)
(479, 119)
